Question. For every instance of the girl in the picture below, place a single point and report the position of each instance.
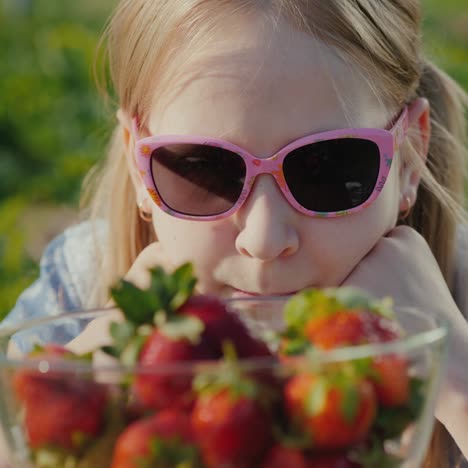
(209, 88)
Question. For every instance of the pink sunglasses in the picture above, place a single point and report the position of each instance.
(328, 174)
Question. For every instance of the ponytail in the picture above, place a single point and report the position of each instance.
(112, 197)
(439, 206)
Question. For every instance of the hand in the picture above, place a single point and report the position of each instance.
(96, 333)
(402, 266)
(150, 257)
(3, 452)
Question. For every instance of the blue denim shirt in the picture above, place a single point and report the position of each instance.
(67, 271)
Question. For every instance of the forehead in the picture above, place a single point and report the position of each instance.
(261, 86)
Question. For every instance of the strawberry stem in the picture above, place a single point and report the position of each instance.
(227, 375)
(166, 293)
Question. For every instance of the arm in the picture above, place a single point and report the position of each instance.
(66, 276)
(13, 352)
(460, 292)
(53, 293)
(96, 333)
(422, 286)
(4, 457)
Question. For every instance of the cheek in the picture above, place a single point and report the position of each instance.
(340, 244)
(198, 242)
(336, 249)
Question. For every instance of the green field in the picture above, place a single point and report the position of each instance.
(446, 36)
(53, 122)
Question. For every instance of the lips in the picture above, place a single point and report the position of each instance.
(238, 293)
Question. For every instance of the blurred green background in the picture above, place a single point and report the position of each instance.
(53, 122)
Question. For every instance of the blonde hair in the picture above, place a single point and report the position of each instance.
(148, 38)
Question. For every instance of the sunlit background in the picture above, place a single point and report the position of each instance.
(53, 121)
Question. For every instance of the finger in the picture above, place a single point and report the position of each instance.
(403, 233)
(96, 333)
(151, 256)
(154, 255)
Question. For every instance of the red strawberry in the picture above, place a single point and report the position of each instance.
(336, 411)
(164, 440)
(165, 387)
(52, 349)
(166, 325)
(231, 430)
(280, 456)
(231, 417)
(222, 325)
(348, 328)
(21, 380)
(330, 461)
(391, 380)
(60, 410)
(286, 457)
(335, 317)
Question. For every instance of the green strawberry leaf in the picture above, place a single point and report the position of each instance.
(38, 350)
(312, 303)
(343, 374)
(154, 306)
(122, 333)
(184, 285)
(128, 339)
(183, 327)
(100, 450)
(86, 357)
(244, 388)
(171, 453)
(210, 382)
(373, 454)
(79, 439)
(160, 287)
(350, 297)
(317, 397)
(355, 298)
(137, 305)
(271, 338)
(305, 305)
(47, 457)
(111, 351)
(350, 403)
(174, 289)
(204, 381)
(129, 355)
(291, 436)
(296, 347)
(363, 368)
(167, 292)
(390, 422)
(227, 375)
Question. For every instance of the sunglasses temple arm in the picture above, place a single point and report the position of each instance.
(135, 125)
(400, 129)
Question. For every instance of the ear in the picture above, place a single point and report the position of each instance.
(129, 144)
(419, 133)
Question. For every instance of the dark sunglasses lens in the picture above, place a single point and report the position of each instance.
(198, 180)
(332, 175)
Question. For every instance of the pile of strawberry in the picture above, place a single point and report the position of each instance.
(207, 393)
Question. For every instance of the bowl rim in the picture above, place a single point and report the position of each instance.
(406, 344)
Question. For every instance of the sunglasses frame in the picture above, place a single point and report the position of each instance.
(388, 142)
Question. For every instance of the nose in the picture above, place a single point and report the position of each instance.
(266, 223)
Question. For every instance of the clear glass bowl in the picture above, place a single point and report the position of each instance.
(423, 349)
